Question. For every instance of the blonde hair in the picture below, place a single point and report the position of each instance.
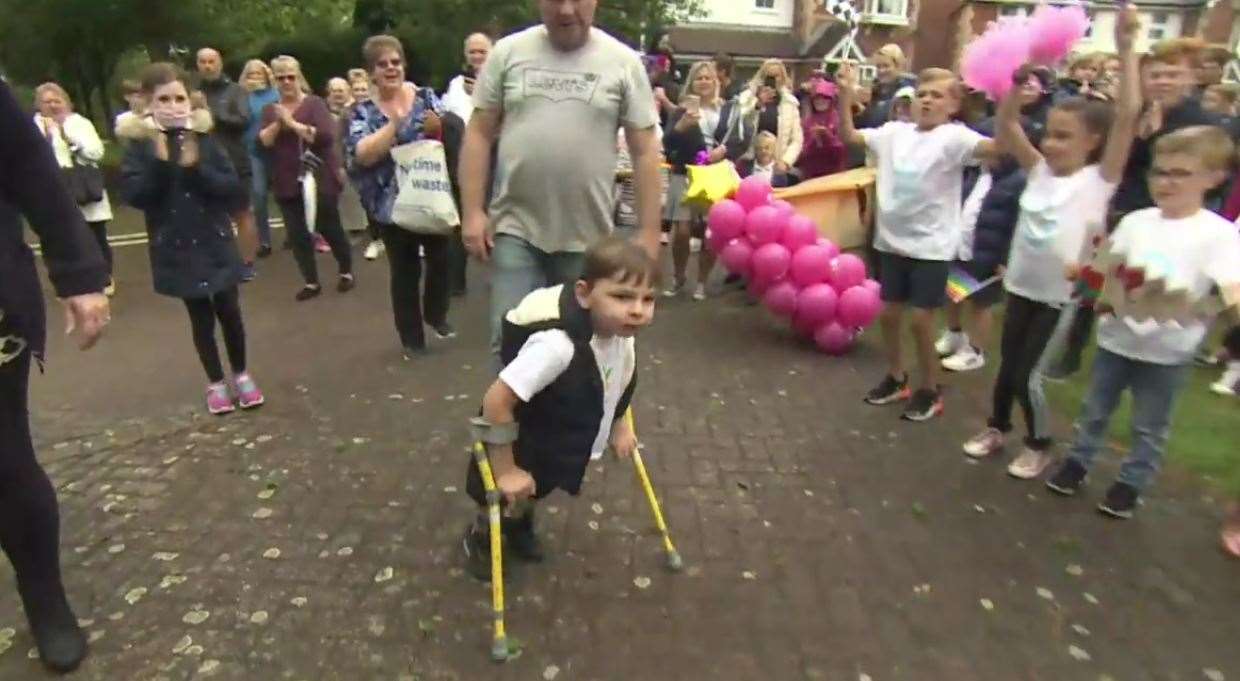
(756, 81)
(694, 72)
(1207, 143)
(261, 66)
(766, 136)
(354, 75)
(1230, 92)
(285, 61)
(938, 75)
(1176, 50)
(53, 88)
(893, 52)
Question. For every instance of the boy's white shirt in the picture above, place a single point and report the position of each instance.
(767, 171)
(1059, 217)
(919, 186)
(1198, 252)
(547, 354)
(969, 213)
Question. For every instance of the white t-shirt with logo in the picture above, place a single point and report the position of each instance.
(920, 180)
(1196, 253)
(1059, 218)
(969, 213)
(557, 143)
(547, 354)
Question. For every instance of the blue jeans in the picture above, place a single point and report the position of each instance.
(518, 269)
(259, 178)
(1154, 389)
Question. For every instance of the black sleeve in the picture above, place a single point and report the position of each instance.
(144, 178)
(233, 113)
(31, 180)
(213, 176)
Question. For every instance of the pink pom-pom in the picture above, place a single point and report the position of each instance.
(1054, 30)
(990, 61)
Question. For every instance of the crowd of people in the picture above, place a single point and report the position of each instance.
(558, 135)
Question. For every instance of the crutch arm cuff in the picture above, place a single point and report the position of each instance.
(489, 433)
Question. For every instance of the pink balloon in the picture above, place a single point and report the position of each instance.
(754, 191)
(816, 303)
(833, 339)
(786, 209)
(762, 225)
(737, 257)
(758, 287)
(727, 219)
(847, 271)
(717, 241)
(781, 298)
(801, 231)
(873, 286)
(858, 307)
(829, 245)
(770, 262)
(811, 265)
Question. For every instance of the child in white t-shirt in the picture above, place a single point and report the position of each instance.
(1062, 211)
(1197, 251)
(920, 176)
(568, 378)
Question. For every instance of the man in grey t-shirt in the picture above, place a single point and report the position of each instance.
(555, 96)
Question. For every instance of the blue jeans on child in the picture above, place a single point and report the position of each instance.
(518, 269)
(258, 197)
(1154, 389)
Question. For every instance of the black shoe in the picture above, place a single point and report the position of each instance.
(444, 331)
(519, 537)
(1120, 501)
(57, 636)
(477, 547)
(264, 251)
(1068, 479)
(346, 283)
(925, 405)
(308, 291)
(412, 352)
(890, 390)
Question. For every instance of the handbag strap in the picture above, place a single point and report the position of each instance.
(61, 129)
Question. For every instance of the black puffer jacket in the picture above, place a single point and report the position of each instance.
(31, 185)
(1133, 192)
(996, 222)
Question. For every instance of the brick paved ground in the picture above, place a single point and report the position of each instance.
(824, 539)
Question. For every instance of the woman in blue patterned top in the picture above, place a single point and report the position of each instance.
(399, 113)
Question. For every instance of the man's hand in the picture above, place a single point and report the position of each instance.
(623, 440)
(515, 484)
(431, 125)
(1127, 24)
(86, 314)
(478, 242)
(718, 154)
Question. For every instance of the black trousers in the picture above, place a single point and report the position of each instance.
(203, 312)
(100, 230)
(327, 223)
(1231, 343)
(29, 515)
(458, 260)
(1027, 346)
(408, 311)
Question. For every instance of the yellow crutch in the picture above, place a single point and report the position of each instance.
(499, 641)
(673, 557)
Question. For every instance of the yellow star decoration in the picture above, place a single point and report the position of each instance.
(712, 183)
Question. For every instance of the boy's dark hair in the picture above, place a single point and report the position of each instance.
(724, 64)
(615, 257)
(162, 73)
(1208, 143)
(1095, 115)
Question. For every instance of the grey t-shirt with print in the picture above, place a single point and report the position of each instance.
(556, 168)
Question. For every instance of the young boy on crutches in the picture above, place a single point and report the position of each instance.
(560, 400)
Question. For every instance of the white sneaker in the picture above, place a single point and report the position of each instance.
(1030, 464)
(373, 250)
(664, 238)
(699, 293)
(984, 443)
(674, 290)
(695, 245)
(967, 359)
(1229, 383)
(951, 342)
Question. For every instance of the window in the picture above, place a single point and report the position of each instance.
(1158, 25)
(886, 11)
(764, 4)
(1013, 11)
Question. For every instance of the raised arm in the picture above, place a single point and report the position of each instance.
(1128, 109)
(847, 79)
(1010, 135)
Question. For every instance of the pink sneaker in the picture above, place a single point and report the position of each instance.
(219, 399)
(248, 394)
(320, 244)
